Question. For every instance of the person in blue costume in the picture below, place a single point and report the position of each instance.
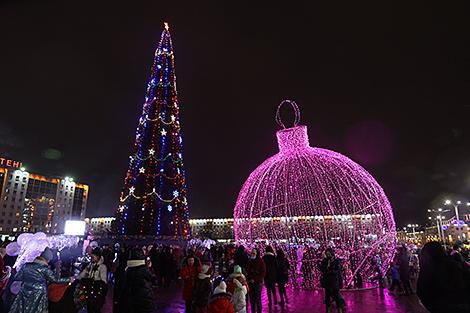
(35, 277)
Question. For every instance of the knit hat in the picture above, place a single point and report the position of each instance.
(96, 251)
(204, 269)
(222, 287)
(237, 269)
(47, 254)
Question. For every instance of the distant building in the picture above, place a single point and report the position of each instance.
(451, 233)
(32, 202)
(213, 228)
(99, 225)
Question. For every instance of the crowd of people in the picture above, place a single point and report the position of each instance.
(222, 278)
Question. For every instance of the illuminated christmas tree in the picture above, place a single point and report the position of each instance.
(153, 200)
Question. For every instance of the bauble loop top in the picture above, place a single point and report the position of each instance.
(296, 112)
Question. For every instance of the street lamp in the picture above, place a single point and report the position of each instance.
(456, 207)
(413, 227)
(439, 217)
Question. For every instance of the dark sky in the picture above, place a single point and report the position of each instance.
(385, 85)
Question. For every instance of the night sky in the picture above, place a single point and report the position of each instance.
(387, 86)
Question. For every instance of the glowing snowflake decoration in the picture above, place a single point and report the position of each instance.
(170, 208)
(176, 193)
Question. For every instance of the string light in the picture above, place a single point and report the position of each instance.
(151, 181)
(305, 199)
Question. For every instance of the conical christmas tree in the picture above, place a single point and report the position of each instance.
(153, 200)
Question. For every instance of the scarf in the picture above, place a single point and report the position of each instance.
(203, 276)
(135, 263)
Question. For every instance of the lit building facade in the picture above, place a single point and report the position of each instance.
(99, 225)
(452, 233)
(214, 228)
(31, 202)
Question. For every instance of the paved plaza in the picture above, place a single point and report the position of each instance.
(364, 301)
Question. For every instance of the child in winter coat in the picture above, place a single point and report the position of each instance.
(395, 277)
(239, 295)
(220, 300)
(202, 290)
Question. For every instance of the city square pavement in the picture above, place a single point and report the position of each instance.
(364, 301)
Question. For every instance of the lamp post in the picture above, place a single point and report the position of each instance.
(413, 228)
(439, 217)
(456, 207)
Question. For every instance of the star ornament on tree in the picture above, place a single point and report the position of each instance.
(163, 132)
(141, 170)
(151, 151)
(131, 190)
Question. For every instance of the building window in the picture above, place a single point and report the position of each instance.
(9, 222)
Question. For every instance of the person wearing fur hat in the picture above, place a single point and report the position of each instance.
(137, 294)
(202, 290)
(238, 288)
(220, 300)
(35, 277)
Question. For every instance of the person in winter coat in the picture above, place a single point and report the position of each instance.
(282, 274)
(220, 300)
(270, 277)
(456, 253)
(96, 269)
(255, 272)
(404, 269)
(443, 284)
(119, 276)
(395, 277)
(137, 294)
(188, 274)
(35, 277)
(240, 290)
(97, 272)
(202, 290)
(331, 280)
(241, 257)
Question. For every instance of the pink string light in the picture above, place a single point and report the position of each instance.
(305, 199)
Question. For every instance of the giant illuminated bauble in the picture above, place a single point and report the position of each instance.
(305, 199)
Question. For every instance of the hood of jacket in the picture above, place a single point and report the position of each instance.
(219, 302)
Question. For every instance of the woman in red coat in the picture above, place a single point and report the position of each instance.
(188, 274)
